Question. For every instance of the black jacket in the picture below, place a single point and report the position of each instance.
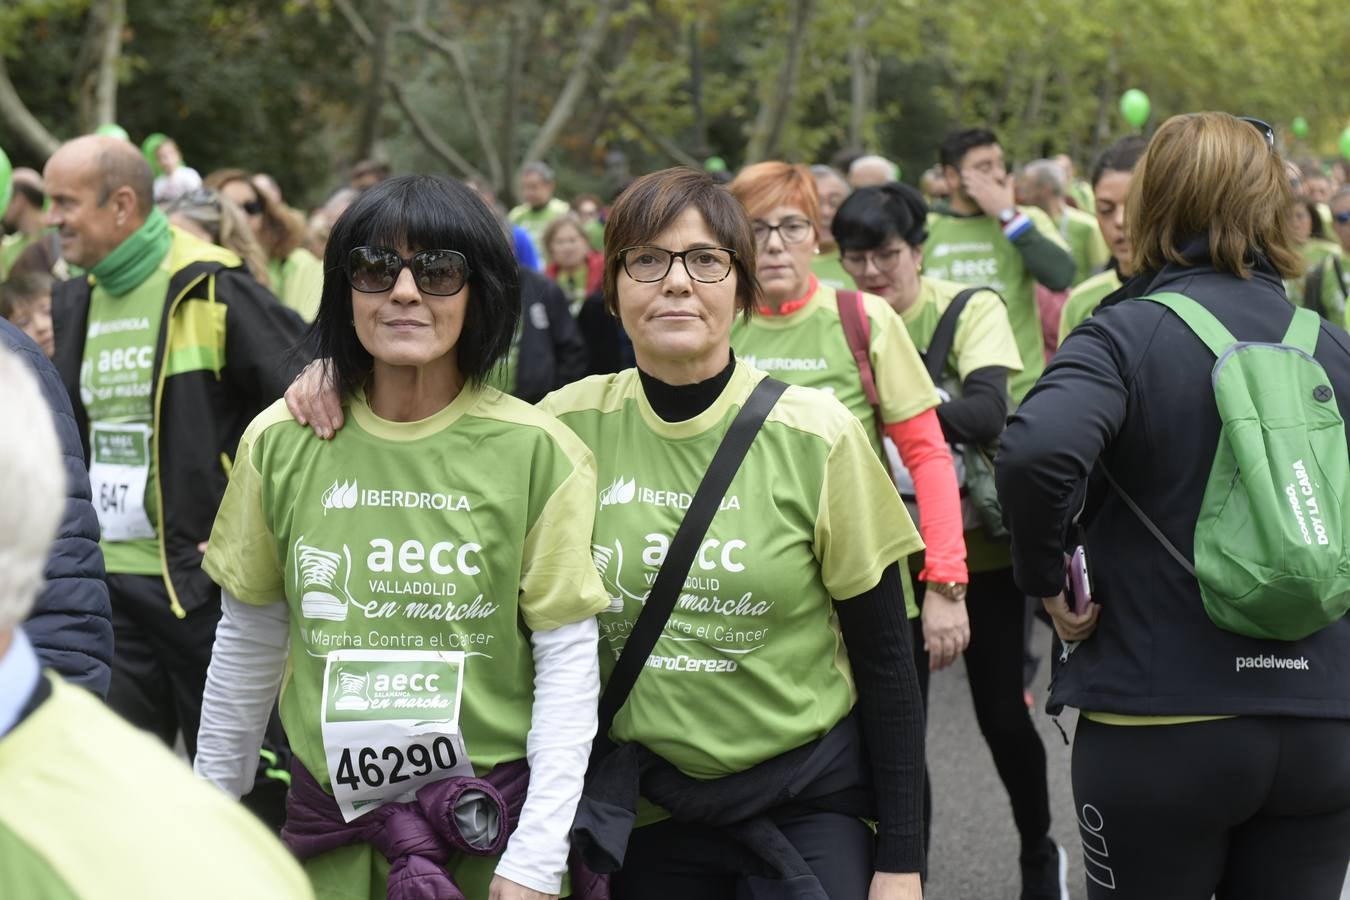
(226, 349)
(551, 350)
(70, 625)
(1130, 389)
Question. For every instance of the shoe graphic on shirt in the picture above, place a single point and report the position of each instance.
(351, 691)
(323, 593)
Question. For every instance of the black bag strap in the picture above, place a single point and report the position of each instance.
(666, 588)
(940, 347)
(1149, 524)
(1312, 288)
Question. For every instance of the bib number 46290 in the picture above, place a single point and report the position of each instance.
(376, 766)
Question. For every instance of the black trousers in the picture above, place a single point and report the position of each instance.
(997, 610)
(674, 861)
(159, 660)
(1241, 809)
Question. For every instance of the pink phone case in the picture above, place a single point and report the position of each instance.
(1076, 581)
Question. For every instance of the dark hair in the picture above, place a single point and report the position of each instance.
(31, 192)
(23, 289)
(957, 144)
(1319, 229)
(873, 215)
(1122, 156)
(653, 202)
(413, 213)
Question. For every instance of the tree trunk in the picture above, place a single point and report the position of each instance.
(773, 115)
(699, 142)
(95, 70)
(565, 105)
(449, 155)
(862, 77)
(20, 121)
(517, 30)
(369, 132)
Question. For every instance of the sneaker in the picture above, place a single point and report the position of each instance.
(1045, 872)
(318, 577)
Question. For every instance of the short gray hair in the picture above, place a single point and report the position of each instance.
(1046, 173)
(542, 169)
(33, 483)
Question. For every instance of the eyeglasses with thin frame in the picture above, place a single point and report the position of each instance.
(885, 259)
(441, 273)
(793, 230)
(1266, 131)
(646, 263)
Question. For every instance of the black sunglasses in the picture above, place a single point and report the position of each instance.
(441, 273)
(253, 207)
(1266, 131)
(1341, 217)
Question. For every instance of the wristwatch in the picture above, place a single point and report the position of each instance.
(952, 590)
(1007, 215)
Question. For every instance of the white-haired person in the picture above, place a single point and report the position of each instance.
(80, 790)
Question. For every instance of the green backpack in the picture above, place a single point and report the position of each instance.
(1272, 553)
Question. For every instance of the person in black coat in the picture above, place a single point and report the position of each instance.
(1205, 762)
(551, 352)
(71, 622)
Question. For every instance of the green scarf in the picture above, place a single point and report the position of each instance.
(132, 261)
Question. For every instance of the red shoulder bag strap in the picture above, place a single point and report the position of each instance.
(858, 333)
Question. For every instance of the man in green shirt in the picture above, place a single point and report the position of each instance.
(982, 238)
(168, 348)
(1041, 184)
(540, 206)
(22, 218)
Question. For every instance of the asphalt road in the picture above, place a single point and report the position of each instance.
(974, 853)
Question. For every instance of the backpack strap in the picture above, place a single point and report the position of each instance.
(940, 347)
(1312, 288)
(683, 547)
(858, 334)
(1200, 320)
(1148, 523)
(1303, 331)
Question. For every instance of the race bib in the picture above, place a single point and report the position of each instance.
(118, 471)
(390, 724)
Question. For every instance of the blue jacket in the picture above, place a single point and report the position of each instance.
(71, 622)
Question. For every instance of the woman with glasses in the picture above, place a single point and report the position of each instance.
(296, 274)
(431, 569)
(801, 337)
(881, 231)
(1210, 758)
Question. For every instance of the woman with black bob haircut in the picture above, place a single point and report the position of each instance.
(881, 231)
(431, 568)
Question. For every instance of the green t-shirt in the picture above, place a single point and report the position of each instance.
(807, 347)
(11, 246)
(1081, 192)
(983, 338)
(138, 824)
(973, 250)
(1084, 300)
(752, 662)
(463, 531)
(534, 221)
(298, 282)
(117, 387)
(1086, 244)
(829, 270)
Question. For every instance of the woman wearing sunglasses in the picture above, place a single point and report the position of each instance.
(432, 571)
(295, 273)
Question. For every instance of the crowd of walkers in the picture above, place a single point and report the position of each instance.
(606, 549)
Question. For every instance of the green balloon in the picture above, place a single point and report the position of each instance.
(1299, 127)
(6, 180)
(714, 164)
(1135, 107)
(112, 129)
(1345, 143)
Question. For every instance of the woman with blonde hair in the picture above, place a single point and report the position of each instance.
(214, 218)
(1212, 751)
(296, 273)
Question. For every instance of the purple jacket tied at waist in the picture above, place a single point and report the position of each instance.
(418, 837)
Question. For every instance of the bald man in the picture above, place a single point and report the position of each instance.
(870, 171)
(23, 218)
(167, 348)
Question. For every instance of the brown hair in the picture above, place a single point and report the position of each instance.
(652, 203)
(567, 220)
(1211, 174)
(767, 185)
(283, 228)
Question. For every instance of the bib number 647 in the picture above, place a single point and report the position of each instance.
(373, 767)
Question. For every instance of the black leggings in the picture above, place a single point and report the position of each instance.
(674, 861)
(1241, 809)
(997, 610)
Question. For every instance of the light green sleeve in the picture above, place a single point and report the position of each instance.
(861, 526)
(302, 286)
(559, 584)
(241, 556)
(984, 337)
(903, 385)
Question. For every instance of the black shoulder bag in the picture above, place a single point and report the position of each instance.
(666, 588)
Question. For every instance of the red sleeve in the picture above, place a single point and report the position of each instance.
(925, 453)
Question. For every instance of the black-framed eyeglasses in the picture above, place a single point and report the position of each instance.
(1341, 218)
(793, 230)
(253, 207)
(1266, 131)
(441, 273)
(885, 259)
(646, 263)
